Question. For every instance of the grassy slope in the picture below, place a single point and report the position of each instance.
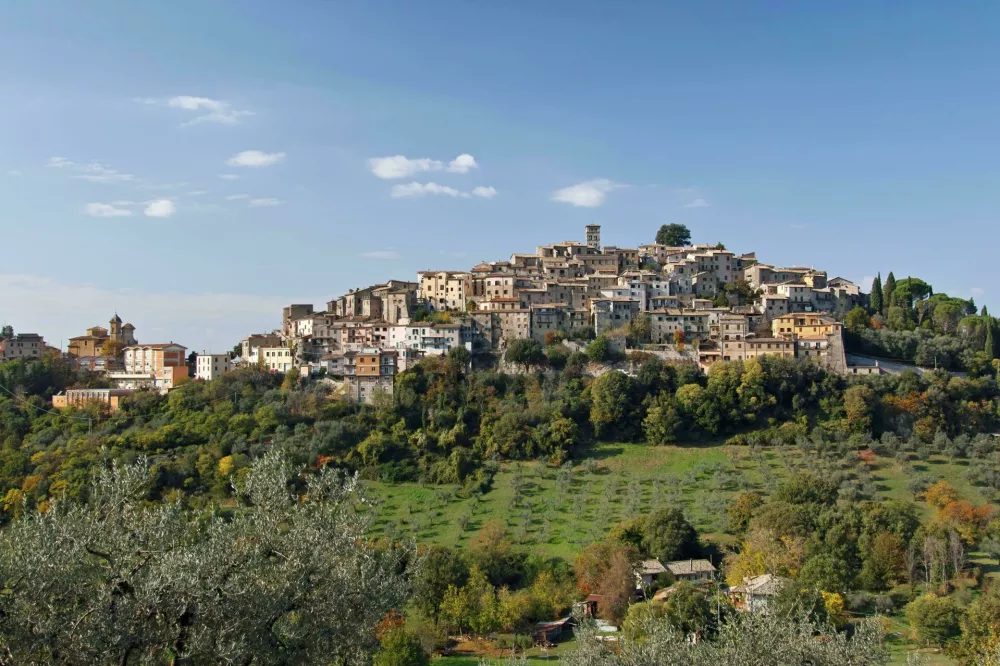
(558, 520)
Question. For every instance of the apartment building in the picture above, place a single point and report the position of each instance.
(770, 347)
(433, 339)
(20, 346)
(369, 371)
(160, 366)
(610, 313)
(759, 274)
(251, 345)
(494, 285)
(731, 333)
(276, 359)
(514, 324)
(658, 252)
(445, 290)
(665, 324)
(212, 366)
(290, 314)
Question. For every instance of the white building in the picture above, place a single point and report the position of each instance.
(211, 366)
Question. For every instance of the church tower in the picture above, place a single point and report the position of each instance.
(115, 328)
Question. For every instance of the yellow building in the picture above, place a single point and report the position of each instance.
(445, 290)
(804, 325)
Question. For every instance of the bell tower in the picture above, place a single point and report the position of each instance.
(115, 328)
(594, 236)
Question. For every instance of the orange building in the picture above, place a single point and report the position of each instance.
(79, 397)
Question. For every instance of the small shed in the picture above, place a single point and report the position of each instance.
(550, 632)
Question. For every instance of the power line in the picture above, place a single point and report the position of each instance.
(48, 411)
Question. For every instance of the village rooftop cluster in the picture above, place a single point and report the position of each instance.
(703, 304)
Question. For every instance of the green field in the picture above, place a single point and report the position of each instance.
(558, 511)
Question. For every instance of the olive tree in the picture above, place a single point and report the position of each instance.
(288, 576)
(747, 639)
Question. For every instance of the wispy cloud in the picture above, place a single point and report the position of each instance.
(400, 166)
(588, 194)
(799, 227)
(389, 253)
(163, 186)
(160, 208)
(977, 291)
(228, 176)
(697, 203)
(266, 201)
(14, 172)
(106, 210)
(94, 172)
(237, 197)
(209, 110)
(415, 189)
(255, 158)
(197, 193)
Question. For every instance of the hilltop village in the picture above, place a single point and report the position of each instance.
(685, 303)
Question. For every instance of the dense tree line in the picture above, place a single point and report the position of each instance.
(444, 424)
(907, 321)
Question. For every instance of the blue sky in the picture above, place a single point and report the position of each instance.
(856, 137)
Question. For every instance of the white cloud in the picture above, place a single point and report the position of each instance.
(462, 164)
(697, 203)
(107, 210)
(400, 166)
(160, 208)
(416, 189)
(212, 110)
(799, 226)
(228, 176)
(588, 194)
(197, 193)
(59, 162)
(14, 172)
(201, 321)
(236, 197)
(381, 254)
(255, 158)
(977, 291)
(484, 192)
(266, 201)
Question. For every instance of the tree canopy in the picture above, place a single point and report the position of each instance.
(674, 235)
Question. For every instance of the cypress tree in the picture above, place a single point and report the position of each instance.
(890, 286)
(875, 300)
(991, 349)
(984, 313)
